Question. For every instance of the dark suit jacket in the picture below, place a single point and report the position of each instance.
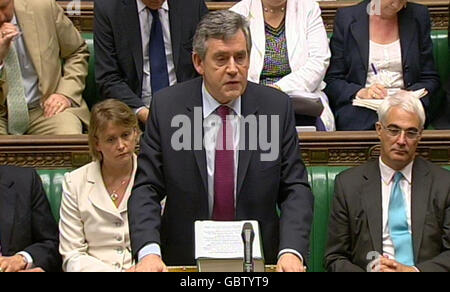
(26, 222)
(118, 46)
(182, 177)
(355, 226)
(347, 73)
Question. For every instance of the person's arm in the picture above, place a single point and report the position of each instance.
(44, 250)
(295, 199)
(429, 77)
(309, 77)
(338, 89)
(337, 254)
(144, 208)
(73, 245)
(441, 262)
(74, 54)
(110, 81)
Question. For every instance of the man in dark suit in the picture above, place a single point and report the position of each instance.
(28, 231)
(209, 182)
(392, 214)
(142, 46)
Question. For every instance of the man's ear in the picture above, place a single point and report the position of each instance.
(198, 63)
(378, 128)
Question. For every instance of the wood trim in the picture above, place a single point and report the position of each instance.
(193, 269)
(335, 148)
(84, 19)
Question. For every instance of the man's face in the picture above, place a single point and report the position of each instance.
(398, 142)
(6, 11)
(225, 67)
(153, 4)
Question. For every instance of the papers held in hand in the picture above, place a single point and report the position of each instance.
(373, 104)
(305, 103)
(219, 246)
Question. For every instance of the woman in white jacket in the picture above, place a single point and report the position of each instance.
(290, 48)
(94, 235)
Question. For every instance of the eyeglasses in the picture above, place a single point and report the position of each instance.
(394, 131)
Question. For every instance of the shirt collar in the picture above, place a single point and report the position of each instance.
(387, 173)
(141, 6)
(210, 104)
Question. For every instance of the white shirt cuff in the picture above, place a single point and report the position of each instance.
(293, 251)
(152, 248)
(137, 110)
(28, 258)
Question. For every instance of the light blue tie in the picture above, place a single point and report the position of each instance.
(398, 224)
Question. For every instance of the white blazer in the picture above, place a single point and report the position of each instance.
(307, 45)
(94, 235)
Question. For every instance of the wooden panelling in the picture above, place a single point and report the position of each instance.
(337, 148)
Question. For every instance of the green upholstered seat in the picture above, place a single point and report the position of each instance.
(321, 179)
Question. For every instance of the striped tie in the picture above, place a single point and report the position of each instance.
(18, 118)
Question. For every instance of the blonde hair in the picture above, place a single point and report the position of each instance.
(110, 110)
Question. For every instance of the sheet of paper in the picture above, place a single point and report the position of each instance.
(222, 240)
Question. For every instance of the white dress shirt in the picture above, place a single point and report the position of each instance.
(145, 20)
(29, 76)
(387, 60)
(387, 182)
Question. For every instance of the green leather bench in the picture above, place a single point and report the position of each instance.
(322, 184)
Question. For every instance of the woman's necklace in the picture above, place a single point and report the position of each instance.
(275, 10)
(282, 9)
(114, 195)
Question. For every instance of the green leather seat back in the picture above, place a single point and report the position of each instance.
(321, 179)
(52, 182)
(322, 183)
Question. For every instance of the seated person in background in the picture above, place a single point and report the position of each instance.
(43, 66)
(28, 231)
(372, 56)
(290, 51)
(395, 210)
(142, 46)
(94, 223)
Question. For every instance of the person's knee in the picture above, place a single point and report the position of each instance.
(65, 123)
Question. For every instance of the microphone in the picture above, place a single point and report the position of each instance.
(248, 236)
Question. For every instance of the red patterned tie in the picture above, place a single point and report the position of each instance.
(224, 170)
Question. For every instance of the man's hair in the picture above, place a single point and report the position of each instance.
(222, 25)
(405, 100)
(110, 110)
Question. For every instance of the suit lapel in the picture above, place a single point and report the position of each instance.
(249, 106)
(193, 105)
(132, 32)
(372, 203)
(360, 31)
(7, 213)
(26, 20)
(407, 31)
(97, 193)
(175, 31)
(420, 194)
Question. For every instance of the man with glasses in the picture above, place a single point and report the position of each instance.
(392, 214)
